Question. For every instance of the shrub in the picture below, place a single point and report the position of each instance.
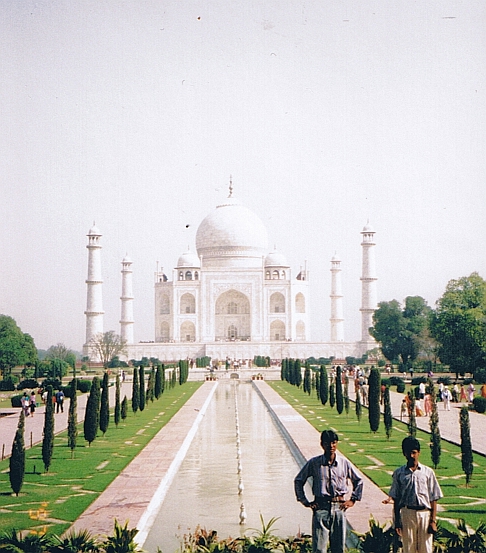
(386, 382)
(30, 383)
(8, 384)
(16, 400)
(84, 386)
(479, 404)
(395, 380)
(446, 380)
(418, 380)
(54, 382)
(401, 387)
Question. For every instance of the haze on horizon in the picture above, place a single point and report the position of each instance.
(326, 114)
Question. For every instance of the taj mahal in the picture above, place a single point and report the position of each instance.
(233, 297)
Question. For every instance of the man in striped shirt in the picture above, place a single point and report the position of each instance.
(330, 473)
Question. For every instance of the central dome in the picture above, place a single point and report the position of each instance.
(231, 236)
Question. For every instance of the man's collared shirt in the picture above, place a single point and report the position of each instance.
(328, 480)
(417, 487)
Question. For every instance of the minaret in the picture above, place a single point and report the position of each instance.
(94, 305)
(368, 286)
(337, 319)
(126, 320)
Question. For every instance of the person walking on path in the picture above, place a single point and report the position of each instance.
(447, 396)
(330, 473)
(60, 401)
(25, 404)
(32, 403)
(463, 396)
(471, 390)
(415, 492)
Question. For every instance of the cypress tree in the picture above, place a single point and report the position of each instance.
(387, 415)
(73, 418)
(142, 388)
(318, 385)
(332, 394)
(149, 395)
(282, 369)
(290, 372)
(324, 385)
(339, 390)
(412, 419)
(359, 407)
(346, 395)
(135, 391)
(105, 404)
(124, 408)
(92, 415)
(17, 458)
(466, 447)
(298, 373)
(374, 414)
(117, 401)
(48, 440)
(307, 380)
(158, 387)
(173, 378)
(435, 445)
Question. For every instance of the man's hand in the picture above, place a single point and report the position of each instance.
(398, 530)
(313, 505)
(432, 529)
(346, 504)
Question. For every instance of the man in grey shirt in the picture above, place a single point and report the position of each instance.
(415, 492)
(330, 473)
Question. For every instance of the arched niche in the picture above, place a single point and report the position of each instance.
(277, 303)
(187, 303)
(300, 303)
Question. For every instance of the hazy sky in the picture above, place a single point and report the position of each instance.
(327, 113)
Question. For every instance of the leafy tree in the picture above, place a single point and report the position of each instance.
(387, 414)
(48, 440)
(135, 391)
(117, 401)
(57, 368)
(466, 447)
(17, 458)
(339, 390)
(105, 404)
(459, 324)
(107, 345)
(324, 385)
(92, 415)
(435, 440)
(124, 408)
(73, 418)
(374, 392)
(16, 348)
(401, 332)
(142, 388)
(60, 351)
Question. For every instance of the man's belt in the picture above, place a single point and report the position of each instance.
(416, 507)
(325, 501)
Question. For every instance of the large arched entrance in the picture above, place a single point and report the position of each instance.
(232, 317)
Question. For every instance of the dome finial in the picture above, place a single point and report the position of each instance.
(230, 187)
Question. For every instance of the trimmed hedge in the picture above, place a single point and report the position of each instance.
(8, 384)
(84, 386)
(479, 404)
(30, 383)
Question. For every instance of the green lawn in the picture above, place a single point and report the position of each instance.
(378, 457)
(57, 498)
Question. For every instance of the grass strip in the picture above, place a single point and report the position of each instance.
(54, 500)
(378, 457)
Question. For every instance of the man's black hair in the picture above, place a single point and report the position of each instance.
(409, 444)
(329, 436)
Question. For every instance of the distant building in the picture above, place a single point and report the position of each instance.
(233, 298)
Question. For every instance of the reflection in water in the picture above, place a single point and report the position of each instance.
(205, 490)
